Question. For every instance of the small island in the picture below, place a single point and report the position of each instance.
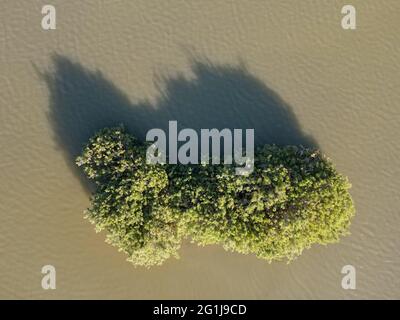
(294, 198)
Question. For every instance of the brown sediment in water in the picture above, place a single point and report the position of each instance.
(301, 77)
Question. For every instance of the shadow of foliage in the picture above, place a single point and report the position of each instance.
(83, 101)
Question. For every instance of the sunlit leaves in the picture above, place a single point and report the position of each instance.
(293, 198)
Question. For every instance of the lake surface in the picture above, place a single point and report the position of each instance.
(285, 68)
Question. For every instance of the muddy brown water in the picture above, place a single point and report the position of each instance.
(285, 68)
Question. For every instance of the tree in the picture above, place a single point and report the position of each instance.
(293, 199)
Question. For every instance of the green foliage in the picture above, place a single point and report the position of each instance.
(292, 199)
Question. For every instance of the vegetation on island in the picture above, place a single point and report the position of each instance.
(294, 198)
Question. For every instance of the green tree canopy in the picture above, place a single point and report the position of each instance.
(292, 199)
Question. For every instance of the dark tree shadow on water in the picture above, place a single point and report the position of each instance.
(83, 101)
